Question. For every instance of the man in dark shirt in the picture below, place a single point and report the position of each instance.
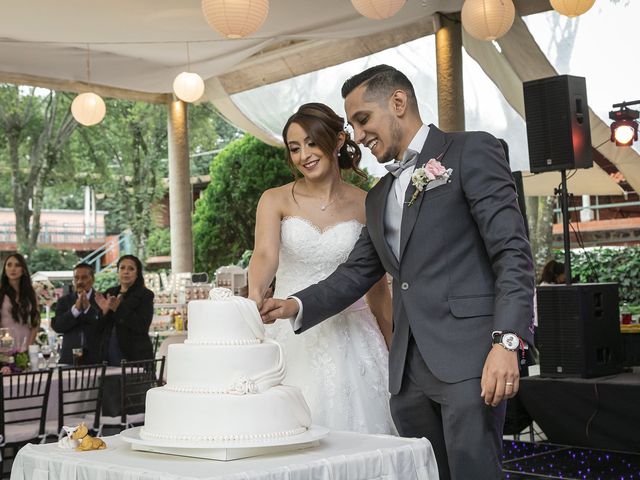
(78, 318)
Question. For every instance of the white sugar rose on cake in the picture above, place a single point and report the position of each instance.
(224, 379)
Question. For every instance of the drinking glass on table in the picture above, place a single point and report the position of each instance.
(46, 351)
(57, 348)
(77, 356)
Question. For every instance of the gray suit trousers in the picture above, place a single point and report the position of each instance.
(465, 433)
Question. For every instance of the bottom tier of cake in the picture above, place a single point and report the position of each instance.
(183, 416)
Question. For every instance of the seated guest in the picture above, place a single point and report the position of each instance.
(128, 311)
(78, 318)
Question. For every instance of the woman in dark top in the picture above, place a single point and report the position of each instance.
(128, 311)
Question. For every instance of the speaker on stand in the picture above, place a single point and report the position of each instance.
(578, 327)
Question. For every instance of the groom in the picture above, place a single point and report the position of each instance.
(462, 275)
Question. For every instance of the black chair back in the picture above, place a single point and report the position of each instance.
(23, 399)
(138, 376)
(80, 391)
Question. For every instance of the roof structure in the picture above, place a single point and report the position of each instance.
(137, 48)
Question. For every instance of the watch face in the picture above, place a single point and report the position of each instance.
(510, 341)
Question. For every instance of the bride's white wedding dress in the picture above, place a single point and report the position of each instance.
(341, 365)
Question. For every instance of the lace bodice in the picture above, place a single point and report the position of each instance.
(308, 254)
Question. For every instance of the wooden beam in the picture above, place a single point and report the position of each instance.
(298, 58)
(81, 87)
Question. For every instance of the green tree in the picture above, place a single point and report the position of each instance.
(224, 218)
(35, 130)
(159, 242)
(131, 142)
(50, 259)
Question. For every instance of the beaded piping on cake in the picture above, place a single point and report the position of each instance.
(223, 438)
(245, 341)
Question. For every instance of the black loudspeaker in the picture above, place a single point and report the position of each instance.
(558, 130)
(579, 330)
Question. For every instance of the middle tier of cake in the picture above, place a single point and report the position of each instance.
(253, 367)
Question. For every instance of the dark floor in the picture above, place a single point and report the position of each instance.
(523, 460)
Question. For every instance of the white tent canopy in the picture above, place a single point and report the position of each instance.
(137, 48)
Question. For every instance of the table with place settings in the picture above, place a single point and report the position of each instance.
(339, 455)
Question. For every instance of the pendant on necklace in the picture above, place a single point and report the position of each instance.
(323, 208)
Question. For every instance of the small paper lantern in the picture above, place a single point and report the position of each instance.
(572, 8)
(378, 9)
(235, 18)
(487, 19)
(188, 86)
(88, 109)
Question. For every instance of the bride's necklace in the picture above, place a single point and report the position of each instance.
(324, 207)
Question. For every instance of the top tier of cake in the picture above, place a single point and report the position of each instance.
(230, 321)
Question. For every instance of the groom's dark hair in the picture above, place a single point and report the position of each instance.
(380, 82)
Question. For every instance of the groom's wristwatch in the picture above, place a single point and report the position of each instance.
(507, 340)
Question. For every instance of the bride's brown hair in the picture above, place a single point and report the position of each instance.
(323, 126)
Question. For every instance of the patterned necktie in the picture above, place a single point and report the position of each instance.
(409, 160)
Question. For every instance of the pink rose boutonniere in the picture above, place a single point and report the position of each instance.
(431, 171)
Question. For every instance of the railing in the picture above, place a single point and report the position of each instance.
(121, 245)
(70, 233)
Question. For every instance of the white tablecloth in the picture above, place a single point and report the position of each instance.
(340, 456)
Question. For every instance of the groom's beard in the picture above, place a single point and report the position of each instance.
(393, 150)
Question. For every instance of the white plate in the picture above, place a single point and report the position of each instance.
(315, 432)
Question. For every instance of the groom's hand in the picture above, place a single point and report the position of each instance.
(273, 308)
(500, 376)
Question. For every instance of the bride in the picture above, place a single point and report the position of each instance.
(304, 230)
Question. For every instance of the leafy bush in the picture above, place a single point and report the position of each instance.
(50, 259)
(621, 265)
(105, 280)
(159, 242)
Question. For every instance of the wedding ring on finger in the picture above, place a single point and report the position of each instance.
(509, 384)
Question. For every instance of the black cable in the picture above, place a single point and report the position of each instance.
(580, 240)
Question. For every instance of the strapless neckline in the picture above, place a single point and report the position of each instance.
(318, 229)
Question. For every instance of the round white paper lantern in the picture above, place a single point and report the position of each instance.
(572, 8)
(235, 18)
(487, 19)
(188, 86)
(378, 9)
(88, 109)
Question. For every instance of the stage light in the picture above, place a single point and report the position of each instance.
(624, 129)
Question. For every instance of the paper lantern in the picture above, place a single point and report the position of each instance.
(235, 18)
(572, 8)
(378, 9)
(487, 19)
(188, 86)
(88, 109)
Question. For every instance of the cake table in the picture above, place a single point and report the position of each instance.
(339, 455)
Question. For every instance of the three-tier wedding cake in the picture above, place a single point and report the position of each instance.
(224, 382)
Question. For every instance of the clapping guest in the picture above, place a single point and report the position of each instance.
(78, 318)
(128, 310)
(18, 305)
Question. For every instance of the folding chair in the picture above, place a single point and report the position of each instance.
(137, 377)
(24, 398)
(80, 391)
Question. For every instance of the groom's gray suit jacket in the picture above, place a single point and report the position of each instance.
(465, 267)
